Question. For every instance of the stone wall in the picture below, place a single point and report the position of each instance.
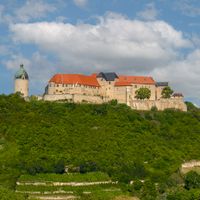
(76, 98)
(161, 104)
(56, 97)
(192, 163)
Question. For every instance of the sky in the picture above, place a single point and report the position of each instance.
(159, 38)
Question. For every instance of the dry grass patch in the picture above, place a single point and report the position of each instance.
(125, 198)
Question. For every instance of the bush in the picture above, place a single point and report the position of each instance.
(192, 180)
(60, 167)
(6, 194)
(113, 102)
(154, 108)
(148, 191)
(137, 185)
(100, 109)
(88, 167)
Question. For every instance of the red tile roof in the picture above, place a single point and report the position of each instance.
(129, 80)
(92, 80)
(75, 79)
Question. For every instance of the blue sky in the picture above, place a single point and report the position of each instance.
(139, 37)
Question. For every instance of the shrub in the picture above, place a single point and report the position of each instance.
(60, 167)
(192, 180)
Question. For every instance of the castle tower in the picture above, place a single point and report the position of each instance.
(22, 81)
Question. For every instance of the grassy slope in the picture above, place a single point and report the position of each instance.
(126, 144)
(73, 177)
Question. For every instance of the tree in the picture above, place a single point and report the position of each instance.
(166, 92)
(148, 191)
(143, 93)
(192, 180)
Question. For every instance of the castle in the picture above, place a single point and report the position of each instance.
(104, 87)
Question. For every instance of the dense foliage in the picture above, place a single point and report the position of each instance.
(6, 194)
(143, 93)
(44, 137)
(167, 92)
(72, 177)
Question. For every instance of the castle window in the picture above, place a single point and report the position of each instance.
(57, 85)
(135, 86)
(109, 82)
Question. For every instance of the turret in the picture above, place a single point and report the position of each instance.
(22, 81)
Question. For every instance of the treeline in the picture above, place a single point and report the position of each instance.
(47, 137)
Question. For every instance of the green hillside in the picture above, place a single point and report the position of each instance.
(42, 137)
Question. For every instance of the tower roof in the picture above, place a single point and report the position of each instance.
(110, 76)
(21, 73)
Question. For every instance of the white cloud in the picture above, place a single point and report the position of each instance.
(188, 7)
(16, 61)
(115, 43)
(38, 67)
(4, 18)
(4, 50)
(183, 74)
(106, 44)
(34, 9)
(1, 12)
(81, 3)
(31, 10)
(149, 13)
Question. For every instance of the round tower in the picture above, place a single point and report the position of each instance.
(22, 81)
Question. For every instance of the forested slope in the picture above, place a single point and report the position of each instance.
(43, 137)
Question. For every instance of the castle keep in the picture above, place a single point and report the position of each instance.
(22, 81)
(104, 87)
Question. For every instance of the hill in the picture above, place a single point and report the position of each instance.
(43, 137)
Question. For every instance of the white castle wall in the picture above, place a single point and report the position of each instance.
(76, 98)
(21, 85)
(56, 97)
(162, 104)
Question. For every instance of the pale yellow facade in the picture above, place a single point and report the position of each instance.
(22, 86)
(72, 89)
(107, 90)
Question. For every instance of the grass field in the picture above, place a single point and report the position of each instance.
(102, 189)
